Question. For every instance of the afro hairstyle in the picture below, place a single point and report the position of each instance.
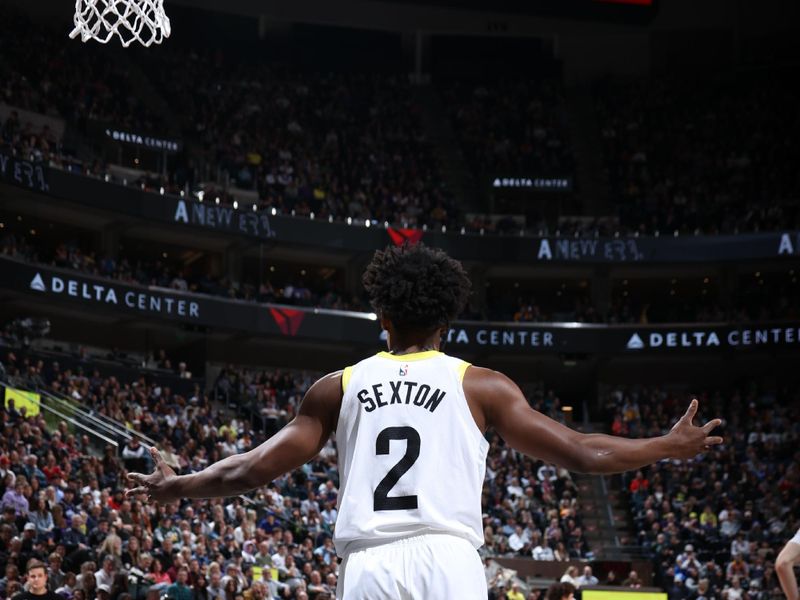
(416, 287)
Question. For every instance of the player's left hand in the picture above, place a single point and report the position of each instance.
(158, 485)
(688, 440)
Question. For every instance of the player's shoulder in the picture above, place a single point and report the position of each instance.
(484, 378)
(329, 385)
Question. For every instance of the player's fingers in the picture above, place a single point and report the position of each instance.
(713, 440)
(135, 491)
(690, 412)
(711, 425)
(137, 478)
(160, 462)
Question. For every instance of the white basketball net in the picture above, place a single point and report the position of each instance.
(141, 21)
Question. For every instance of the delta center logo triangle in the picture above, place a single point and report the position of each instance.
(38, 284)
(635, 343)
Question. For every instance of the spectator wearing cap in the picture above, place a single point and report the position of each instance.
(99, 533)
(5, 471)
(103, 592)
(687, 561)
(28, 538)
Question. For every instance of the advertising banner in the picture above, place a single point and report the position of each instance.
(25, 173)
(59, 286)
(539, 184)
(621, 594)
(24, 402)
(357, 238)
(132, 137)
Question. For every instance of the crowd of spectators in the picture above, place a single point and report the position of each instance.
(511, 127)
(66, 80)
(62, 498)
(773, 297)
(755, 299)
(274, 544)
(713, 525)
(24, 139)
(713, 153)
(334, 144)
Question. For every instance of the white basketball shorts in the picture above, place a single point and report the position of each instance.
(429, 566)
(796, 538)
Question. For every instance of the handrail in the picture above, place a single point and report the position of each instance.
(609, 512)
(103, 420)
(604, 487)
(69, 419)
(85, 414)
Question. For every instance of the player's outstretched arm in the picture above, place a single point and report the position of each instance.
(497, 400)
(784, 567)
(291, 447)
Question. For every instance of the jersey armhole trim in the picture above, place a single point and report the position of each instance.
(346, 373)
(462, 369)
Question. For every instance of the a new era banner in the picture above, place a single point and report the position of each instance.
(210, 217)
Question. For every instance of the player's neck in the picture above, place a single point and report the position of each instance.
(408, 346)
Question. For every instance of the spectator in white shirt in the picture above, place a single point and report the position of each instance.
(543, 552)
(518, 539)
(587, 578)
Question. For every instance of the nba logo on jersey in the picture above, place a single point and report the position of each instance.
(403, 370)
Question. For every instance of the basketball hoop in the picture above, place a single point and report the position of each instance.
(142, 21)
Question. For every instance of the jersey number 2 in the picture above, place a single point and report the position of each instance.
(381, 498)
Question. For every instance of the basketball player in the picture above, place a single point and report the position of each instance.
(784, 566)
(409, 426)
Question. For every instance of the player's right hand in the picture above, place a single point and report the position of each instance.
(688, 440)
(158, 485)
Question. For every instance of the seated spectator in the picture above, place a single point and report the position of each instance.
(134, 456)
(587, 579)
(36, 576)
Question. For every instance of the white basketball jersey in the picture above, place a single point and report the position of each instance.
(411, 458)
